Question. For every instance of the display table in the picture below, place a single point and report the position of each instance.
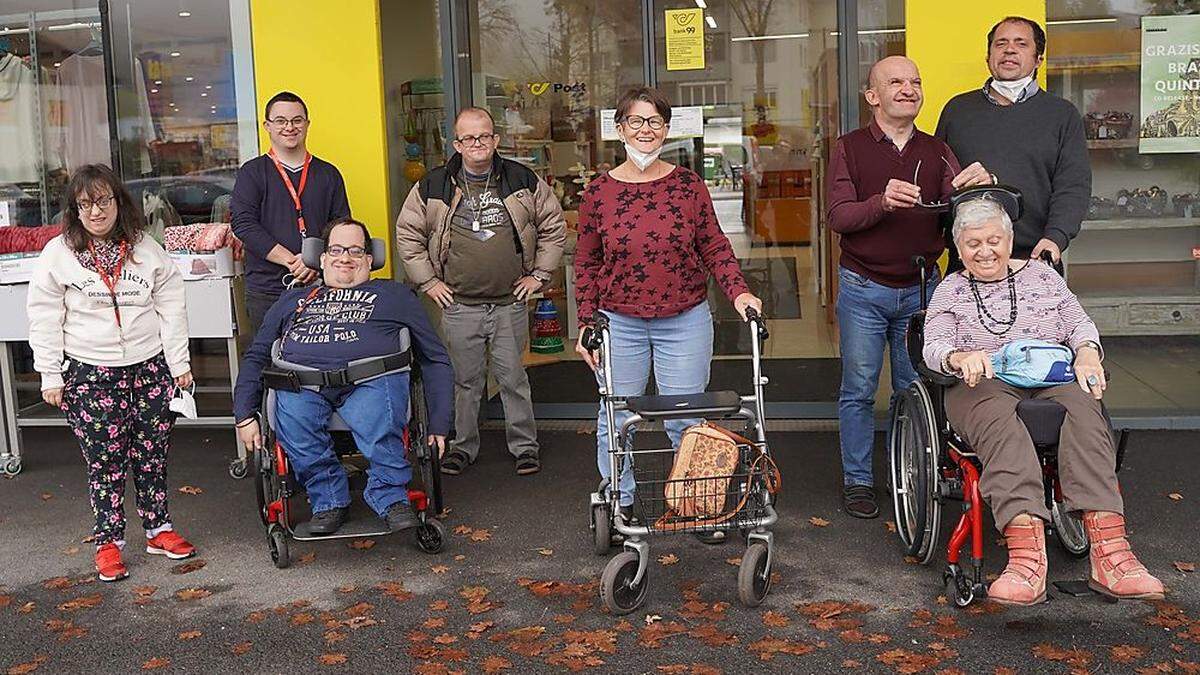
(210, 313)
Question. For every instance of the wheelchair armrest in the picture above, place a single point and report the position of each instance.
(940, 379)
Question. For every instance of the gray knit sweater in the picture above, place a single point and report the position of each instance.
(1036, 146)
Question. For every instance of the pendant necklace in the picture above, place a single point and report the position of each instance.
(477, 205)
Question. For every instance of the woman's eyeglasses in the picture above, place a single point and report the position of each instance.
(85, 205)
(635, 122)
(936, 206)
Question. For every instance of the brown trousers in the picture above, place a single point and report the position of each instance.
(1011, 483)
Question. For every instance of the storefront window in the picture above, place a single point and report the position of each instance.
(176, 103)
(1135, 262)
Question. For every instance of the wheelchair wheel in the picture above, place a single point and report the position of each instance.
(431, 536)
(263, 482)
(278, 541)
(915, 446)
(1069, 531)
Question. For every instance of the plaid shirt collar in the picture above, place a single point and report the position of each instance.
(1026, 93)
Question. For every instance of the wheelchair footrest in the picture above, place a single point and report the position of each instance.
(708, 404)
(356, 525)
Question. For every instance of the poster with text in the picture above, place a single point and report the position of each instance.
(685, 39)
(1170, 116)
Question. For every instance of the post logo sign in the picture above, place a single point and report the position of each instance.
(539, 88)
(685, 39)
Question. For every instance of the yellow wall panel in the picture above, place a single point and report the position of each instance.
(329, 53)
(948, 41)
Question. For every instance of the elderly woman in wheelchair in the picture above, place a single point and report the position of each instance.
(1028, 361)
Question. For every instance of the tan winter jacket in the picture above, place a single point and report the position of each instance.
(423, 228)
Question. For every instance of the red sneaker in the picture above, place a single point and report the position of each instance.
(171, 545)
(108, 563)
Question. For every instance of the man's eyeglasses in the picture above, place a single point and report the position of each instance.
(472, 141)
(636, 121)
(283, 122)
(355, 252)
(936, 206)
(85, 206)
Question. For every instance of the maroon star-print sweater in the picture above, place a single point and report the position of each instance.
(647, 249)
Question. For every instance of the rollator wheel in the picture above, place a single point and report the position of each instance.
(431, 536)
(12, 467)
(617, 591)
(601, 530)
(278, 541)
(754, 575)
(914, 473)
(1069, 531)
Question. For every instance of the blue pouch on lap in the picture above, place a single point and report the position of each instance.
(1034, 363)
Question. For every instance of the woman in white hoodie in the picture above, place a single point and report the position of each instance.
(108, 327)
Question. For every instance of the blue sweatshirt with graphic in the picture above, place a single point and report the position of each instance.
(327, 328)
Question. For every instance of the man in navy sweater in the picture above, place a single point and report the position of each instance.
(348, 317)
(1031, 139)
(276, 198)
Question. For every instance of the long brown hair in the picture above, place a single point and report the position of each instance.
(91, 180)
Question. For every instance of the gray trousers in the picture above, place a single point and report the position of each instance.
(470, 331)
(986, 417)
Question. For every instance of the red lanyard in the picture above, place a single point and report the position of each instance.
(110, 280)
(291, 188)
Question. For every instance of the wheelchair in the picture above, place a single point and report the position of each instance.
(930, 465)
(282, 503)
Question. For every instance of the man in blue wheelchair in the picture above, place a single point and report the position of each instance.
(1015, 361)
(340, 351)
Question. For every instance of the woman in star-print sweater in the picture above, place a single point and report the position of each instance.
(648, 241)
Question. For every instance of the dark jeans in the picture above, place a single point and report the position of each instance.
(257, 305)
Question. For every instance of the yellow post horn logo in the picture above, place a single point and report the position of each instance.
(538, 88)
(684, 18)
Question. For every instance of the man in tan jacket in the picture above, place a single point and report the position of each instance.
(479, 236)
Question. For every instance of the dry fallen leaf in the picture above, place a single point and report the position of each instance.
(240, 648)
(546, 551)
(348, 588)
(191, 490)
(652, 618)
(439, 606)
(28, 667)
(186, 594)
(460, 557)
(71, 550)
(433, 622)
(187, 567)
(1184, 566)
(83, 602)
(305, 559)
(775, 619)
(736, 562)
(495, 664)
(439, 569)
(331, 659)
(668, 559)
(361, 545)
(1126, 653)
(818, 522)
(480, 535)
(46, 496)
(27, 607)
(190, 635)
(156, 662)
(1175, 497)
(445, 639)
(890, 525)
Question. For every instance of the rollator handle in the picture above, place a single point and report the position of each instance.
(752, 316)
(592, 338)
(918, 261)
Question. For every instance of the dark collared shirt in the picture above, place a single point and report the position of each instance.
(876, 243)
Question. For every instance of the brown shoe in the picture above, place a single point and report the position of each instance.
(1023, 581)
(1116, 571)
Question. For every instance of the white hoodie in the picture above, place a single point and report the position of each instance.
(71, 313)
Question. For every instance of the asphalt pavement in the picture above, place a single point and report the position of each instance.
(515, 588)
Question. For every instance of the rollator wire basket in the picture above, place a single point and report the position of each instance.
(675, 493)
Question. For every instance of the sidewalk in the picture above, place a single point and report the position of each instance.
(515, 592)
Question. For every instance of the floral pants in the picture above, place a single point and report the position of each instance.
(122, 419)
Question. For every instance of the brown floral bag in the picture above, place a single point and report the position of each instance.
(704, 463)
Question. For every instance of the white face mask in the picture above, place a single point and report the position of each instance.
(184, 403)
(1011, 89)
(641, 159)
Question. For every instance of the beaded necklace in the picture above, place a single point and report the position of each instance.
(982, 311)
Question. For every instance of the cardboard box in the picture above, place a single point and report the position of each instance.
(205, 265)
(17, 268)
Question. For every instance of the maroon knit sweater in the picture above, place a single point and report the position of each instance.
(647, 249)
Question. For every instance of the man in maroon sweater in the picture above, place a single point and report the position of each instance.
(881, 177)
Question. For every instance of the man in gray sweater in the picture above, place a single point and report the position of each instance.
(1029, 138)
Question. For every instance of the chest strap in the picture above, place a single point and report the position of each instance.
(275, 377)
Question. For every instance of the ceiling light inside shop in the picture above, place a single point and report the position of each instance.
(176, 54)
(185, 14)
(57, 64)
(1068, 22)
(188, 79)
(781, 36)
(203, 94)
(701, 4)
(208, 86)
(712, 23)
(153, 91)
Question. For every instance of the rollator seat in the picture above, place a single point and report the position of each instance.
(1043, 418)
(710, 403)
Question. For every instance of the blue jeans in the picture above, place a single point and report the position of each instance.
(871, 317)
(680, 350)
(377, 414)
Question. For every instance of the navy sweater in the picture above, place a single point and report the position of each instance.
(339, 325)
(265, 215)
